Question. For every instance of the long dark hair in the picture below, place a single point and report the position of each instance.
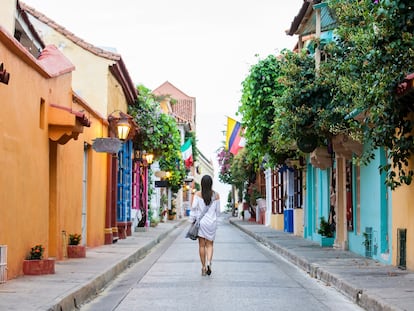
(206, 189)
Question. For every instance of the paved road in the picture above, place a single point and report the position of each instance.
(246, 276)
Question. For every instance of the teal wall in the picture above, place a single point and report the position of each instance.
(317, 200)
(374, 211)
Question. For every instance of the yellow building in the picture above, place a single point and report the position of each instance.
(53, 183)
(100, 78)
(39, 116)
(403, 202)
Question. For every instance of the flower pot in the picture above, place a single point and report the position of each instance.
(327, 242)
(76, 251)
(38, 267)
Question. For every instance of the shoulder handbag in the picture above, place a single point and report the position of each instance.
(192, 232)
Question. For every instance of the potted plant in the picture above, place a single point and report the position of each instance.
(35, 264)
(74, 249)
(171, 213)
(163, 212)
(326, 232)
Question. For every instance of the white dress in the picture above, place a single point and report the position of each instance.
(208, 224)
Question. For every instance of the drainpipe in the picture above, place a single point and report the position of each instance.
(318, 37)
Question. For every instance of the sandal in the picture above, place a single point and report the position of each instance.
(203, 271)
(208, 269)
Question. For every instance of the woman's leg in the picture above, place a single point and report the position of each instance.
(209, 254)
(209, 250)
(202, 250)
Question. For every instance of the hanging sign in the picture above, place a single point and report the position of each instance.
(161, 183)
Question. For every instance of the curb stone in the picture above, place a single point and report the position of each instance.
(357, 295)
(82, 294)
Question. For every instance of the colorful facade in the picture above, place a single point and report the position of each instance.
(402, 216)
(102, 80)
(368, 218)
(57, 184)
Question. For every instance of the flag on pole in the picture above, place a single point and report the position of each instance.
(234, 139)
(187, 153)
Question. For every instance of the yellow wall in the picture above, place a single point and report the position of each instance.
(91, 70)
(97, 177)
(8, 8)
(403, 217)
(298, 222)
(277, 221)
(116, 97)
(94, 83)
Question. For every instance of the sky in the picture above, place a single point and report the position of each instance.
(204, 48)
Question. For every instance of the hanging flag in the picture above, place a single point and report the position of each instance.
(234, 139)
(187, 153)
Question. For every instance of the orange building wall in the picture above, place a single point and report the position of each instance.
(41, 180)
(97, 177)
(24, 145)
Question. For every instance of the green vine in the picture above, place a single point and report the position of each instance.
(260, 88)
(159, 134)
(373, 54)
(306, 108)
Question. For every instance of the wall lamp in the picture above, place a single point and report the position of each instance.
(123, 128)
(149, 157)
(4, 75)
(141, 155)
(121, 124)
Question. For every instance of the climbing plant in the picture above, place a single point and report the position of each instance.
(373, 54)
(305, 108)
(159, 134)
(260, 88)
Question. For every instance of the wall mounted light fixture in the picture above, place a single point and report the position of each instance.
(149, 157)
(143, 155)
(123, 128)
(120, 125)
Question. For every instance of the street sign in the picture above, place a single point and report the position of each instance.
(161, 183)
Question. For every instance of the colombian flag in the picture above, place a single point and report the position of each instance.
(234, 140)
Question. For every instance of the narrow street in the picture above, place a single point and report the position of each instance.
(246, 276)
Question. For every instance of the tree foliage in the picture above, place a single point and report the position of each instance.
(305, 109)
(372, 56)
(285, 98)
(260, 88)
(159, 134)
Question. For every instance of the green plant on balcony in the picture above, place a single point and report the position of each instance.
(373, 54)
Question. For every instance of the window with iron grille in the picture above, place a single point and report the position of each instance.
(277, 192)
(297, 188)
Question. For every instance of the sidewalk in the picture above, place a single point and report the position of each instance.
(76, 280)
(370, 284)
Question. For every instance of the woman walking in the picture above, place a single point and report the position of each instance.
(207, 201)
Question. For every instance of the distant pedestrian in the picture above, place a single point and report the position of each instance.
(209, 201)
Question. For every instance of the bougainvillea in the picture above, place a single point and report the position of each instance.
(224, 159)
